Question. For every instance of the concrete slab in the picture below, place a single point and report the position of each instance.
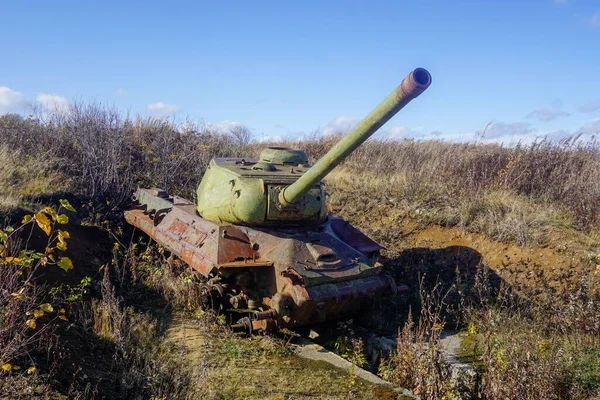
(312, 351)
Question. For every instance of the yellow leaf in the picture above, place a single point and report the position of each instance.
(7, 367)
(14, 260)
(61, 246)
(472, 329)
(63, 317)
(62, 219)
(47, 307)
(62, 311)
(50, 211)
(26, 219)
(65, 263)
(43, 222)
(31, 370)
(38, 313)
(16, 368)
(31, 323)
(19, 295)
(62, 235)
(51, 257)
(67, 205)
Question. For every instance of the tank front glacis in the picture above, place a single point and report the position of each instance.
(244, 192)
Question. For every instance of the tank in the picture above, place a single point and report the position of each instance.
(261, 237)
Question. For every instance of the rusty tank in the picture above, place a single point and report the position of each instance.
(261, 237)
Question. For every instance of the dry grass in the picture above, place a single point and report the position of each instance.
(171, 278)
(144, 363)
(419, 363)
(565, 173)
(527, 349)
(17, 340)
(498, 213)
(548, 348)
(23, 175)
(106, 154)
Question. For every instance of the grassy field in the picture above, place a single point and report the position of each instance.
(503, 244)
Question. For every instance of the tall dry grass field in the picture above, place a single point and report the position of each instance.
(527, 344)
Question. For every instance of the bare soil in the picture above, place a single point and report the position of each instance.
(567, 257)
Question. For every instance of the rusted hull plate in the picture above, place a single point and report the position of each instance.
(337, 300)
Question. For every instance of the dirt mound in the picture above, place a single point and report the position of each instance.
(567, 258)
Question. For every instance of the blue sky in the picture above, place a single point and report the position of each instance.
(285, 68)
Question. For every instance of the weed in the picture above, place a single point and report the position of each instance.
(419, 364)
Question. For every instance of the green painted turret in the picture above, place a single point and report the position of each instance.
(281, 187)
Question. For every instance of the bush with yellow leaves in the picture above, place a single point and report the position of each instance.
(26, 318)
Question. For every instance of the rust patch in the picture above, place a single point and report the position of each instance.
(193, 236)
(168, 233)
(178, 227)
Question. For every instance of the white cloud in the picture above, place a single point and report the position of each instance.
(398, 132)
(52, 102)
(591, 128)
(224, 127)
(342, 124)
(507, 133)
(527, 135)
(267, 139)
(11, 101)
(590, 107)
(497, 130)
(547, 114)
(594, 20)
(121, 92)
(162, 109)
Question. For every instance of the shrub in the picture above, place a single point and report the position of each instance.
(26, 318)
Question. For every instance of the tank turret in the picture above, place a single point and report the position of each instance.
(281, 187)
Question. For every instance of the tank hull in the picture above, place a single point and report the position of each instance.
(286, 277)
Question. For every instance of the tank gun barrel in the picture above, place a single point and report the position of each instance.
(412, 86)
